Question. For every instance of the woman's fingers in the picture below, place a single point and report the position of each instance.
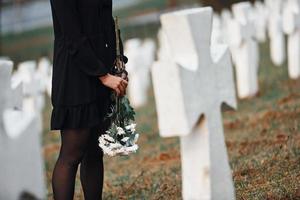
(118, 84)
(122, 89)
(124, 83)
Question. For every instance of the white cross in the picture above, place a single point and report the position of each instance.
(227, 22)
(275, 31)
(10, 101)
(20, 148)
(141, 56)
(291, 26)
(245, 50)
(163, 52)
(11, 94)
(191, 83)
(217, 35)
(33, 85)
(44, 75)
(259, 16)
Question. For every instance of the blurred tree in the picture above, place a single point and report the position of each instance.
(218, 5)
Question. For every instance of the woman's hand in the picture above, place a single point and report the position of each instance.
(116, 83)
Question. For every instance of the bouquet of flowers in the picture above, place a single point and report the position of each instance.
(121, 137)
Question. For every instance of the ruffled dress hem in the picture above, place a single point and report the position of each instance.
(78, 116)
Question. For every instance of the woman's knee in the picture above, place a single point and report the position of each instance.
(74, 147)
(72, 159)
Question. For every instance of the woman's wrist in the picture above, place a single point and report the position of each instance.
(103, 78)
(116, 83)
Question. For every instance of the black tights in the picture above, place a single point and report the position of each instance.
(79, 146)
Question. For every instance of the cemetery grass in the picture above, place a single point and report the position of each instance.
(262, 137)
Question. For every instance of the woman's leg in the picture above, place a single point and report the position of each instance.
(74, 145)
(91, 168)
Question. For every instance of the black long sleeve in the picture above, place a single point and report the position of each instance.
(77, 43)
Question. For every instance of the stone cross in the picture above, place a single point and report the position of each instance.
(259, 16)
(44, 75)
(135, 68)
(141, 56)
(21, 168)
(245, 51)
(149, 50)
(275, 31)
(226, 23)
(189, 91)
(11, 94)
(163, 51)
(291, 26)
(33, 86)
(217, 35)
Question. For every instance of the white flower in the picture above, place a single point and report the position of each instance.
(133, 148)
(121, 150)
(125, 139)
(108, 151)
(131, 127)
(102, 142)
(115, 145)
(109, 138)
(120, 131)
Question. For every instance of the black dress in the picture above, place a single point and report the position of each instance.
(84, 49)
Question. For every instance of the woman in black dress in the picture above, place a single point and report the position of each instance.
(84, 53)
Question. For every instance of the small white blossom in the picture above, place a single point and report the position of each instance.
(134, 148)
(109, 138)
(102, 142)
(120, 131)
(110, 153)
(125, 139)
(131, 127)
(121, 150)
(131, 149)
(104, 148)
(115, 145)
